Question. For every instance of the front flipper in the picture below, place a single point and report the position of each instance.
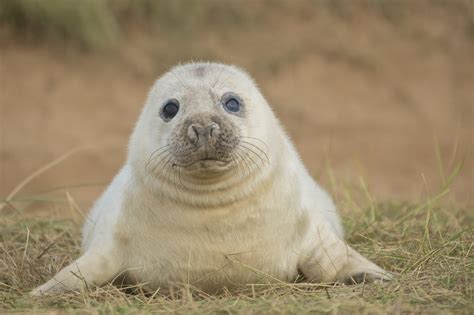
(330, 259)
(93, 268)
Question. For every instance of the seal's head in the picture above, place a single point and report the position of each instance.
(202, 120)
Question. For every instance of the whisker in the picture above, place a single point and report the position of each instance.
(179, 176)
(177, 78)
(235, 164)
(255, 153)
(234, 161)
(258, 148)
(225, 80)
(152, 157)
(244, 161)
(247, 154)
(218, 76)
(160, 162)
(166, 174)
(160, 148)
(253, 138)
(171, 171)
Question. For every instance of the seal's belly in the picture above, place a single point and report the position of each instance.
(211, 263)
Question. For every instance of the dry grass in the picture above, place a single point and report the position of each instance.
(427, 245)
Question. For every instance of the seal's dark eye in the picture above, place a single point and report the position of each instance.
(170, 109)
(232, 105)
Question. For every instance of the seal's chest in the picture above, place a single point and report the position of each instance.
(210, 258)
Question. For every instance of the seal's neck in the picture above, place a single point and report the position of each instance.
(208, 192)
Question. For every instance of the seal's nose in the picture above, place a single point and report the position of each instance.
(197, 132)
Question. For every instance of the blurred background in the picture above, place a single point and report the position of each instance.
(374, 89)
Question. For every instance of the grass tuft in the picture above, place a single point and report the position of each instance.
(99, 24)
(88, 22)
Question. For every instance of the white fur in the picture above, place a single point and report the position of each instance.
(264, 222)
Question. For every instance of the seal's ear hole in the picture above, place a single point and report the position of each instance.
(169, 109)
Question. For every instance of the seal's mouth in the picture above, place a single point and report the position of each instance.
(209, 159)
(205, 167)
(204, 162)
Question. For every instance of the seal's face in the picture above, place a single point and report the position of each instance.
(204, 138)
(198, 121)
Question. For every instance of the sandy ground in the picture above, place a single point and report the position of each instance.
(359, 92)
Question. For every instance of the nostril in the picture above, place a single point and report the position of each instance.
(193, 133)
(196, 131)
(213, 130)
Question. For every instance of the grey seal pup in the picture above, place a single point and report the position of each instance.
(213, 194)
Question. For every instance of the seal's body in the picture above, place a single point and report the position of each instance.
(214, 195)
